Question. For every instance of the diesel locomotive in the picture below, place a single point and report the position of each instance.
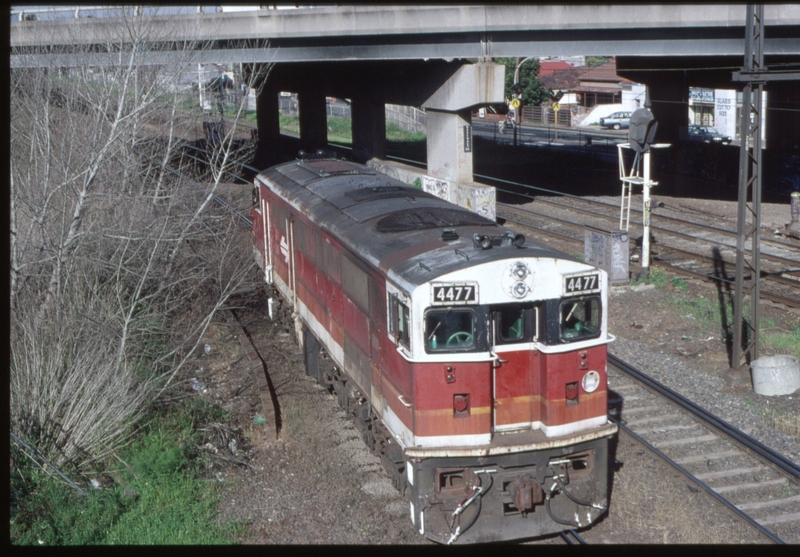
(473, 362)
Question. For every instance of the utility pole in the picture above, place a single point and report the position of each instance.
(754, 74)
(745, 333)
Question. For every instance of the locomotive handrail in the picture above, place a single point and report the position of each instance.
(448, 357)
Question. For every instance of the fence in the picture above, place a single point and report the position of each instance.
(547, 116)
(407, 118)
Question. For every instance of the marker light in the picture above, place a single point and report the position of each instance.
(590, 381)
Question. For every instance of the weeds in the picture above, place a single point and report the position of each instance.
(710, 313)
(158, 499)
(678, 284)
(782, 421)
(782, 342)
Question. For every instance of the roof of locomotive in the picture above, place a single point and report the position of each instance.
(396, 228)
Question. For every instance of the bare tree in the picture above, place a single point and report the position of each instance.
(118, 265)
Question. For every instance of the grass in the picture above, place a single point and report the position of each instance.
(340, 130)
(157, 497)
(782, 342)
(707, 311)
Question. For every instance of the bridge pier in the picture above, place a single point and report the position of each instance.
(670, 99)
(268, 122)
(368, 120)
(449, 118)
(783, 119)
(313, 118)
(448, 159)
(669, 91)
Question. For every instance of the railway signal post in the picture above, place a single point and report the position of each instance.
(641, 135)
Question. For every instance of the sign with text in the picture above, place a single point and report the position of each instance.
(702, 95)
(725, 112)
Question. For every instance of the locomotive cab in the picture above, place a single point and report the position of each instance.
(508, 360)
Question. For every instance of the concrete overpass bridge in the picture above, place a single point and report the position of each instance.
(439, 58)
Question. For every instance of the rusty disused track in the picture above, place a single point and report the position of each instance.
(737, 470)
(270, 404)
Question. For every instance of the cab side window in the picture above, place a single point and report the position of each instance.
(399, 322)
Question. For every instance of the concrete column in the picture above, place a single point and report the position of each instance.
(313, 119)
(670, 97)
(449, 118)
(448, 158)
(369, 128)
(268, 122)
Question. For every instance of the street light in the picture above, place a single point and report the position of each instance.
(516, 71)
(517, 114)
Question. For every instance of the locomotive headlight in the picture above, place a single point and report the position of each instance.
(520, 289)
(520, 271)
(590, 381)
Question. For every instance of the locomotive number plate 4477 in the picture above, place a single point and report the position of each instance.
(460, 293)
(581, 284)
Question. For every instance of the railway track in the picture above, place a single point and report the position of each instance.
(678, 251)
(753, 481)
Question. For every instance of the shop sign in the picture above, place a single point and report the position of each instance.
(702, 95)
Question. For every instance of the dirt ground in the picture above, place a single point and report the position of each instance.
(317, 483)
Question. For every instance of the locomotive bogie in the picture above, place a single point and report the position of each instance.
(473, 365)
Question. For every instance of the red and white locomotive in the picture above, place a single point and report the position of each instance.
(473, 364)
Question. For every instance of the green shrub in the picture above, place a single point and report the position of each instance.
(158, 498)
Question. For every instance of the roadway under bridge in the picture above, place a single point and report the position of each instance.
(439, 58)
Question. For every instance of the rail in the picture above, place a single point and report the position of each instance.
(777, 459)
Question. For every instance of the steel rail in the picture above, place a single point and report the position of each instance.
(675, 220)
(777, 298)
(780, 461)
(775, 258)
(572, 537)
(774, 276)
(730, 506)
